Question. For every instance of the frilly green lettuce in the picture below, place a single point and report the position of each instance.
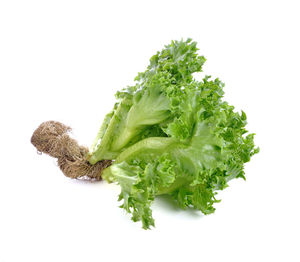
(170, 134)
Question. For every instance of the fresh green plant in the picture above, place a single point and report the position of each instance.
(167, 134)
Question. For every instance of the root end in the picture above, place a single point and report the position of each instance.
(52, 138)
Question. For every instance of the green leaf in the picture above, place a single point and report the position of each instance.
(151, 101)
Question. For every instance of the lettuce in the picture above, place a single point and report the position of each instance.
(171, 134)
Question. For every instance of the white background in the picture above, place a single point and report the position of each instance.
(64, 60)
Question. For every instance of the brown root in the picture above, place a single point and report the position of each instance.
(52, 138)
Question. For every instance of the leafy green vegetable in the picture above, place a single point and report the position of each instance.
(170, 134)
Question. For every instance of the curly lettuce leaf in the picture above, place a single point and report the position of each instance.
(145, 108)
(191, 166)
